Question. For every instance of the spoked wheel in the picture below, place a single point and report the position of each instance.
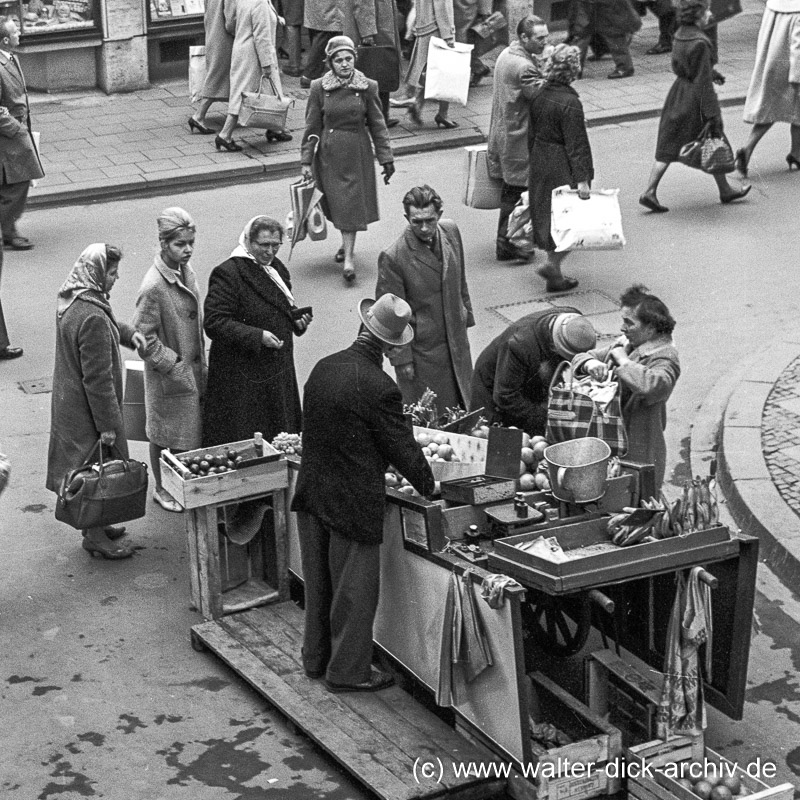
(559, 625)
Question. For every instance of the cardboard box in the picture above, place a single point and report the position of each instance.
(133, 410)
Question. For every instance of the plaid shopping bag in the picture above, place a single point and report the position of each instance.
(572, 414)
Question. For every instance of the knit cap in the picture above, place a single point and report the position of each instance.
(573, 334)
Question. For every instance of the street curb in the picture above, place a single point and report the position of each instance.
(281, 166)
(728, 427)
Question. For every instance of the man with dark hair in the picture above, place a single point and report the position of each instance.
(517, 79)
(353, 428)
(647, 367)
(425, 266)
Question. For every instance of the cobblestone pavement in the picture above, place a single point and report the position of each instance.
(780, 435)
(96, 145)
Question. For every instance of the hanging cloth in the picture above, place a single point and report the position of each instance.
(474, 654)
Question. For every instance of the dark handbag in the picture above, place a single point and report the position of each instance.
(381, 62)
(571, 414)
(710, 154)
(98, 494)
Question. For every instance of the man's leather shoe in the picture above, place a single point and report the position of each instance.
(392, 122)
(7, 353)
(18, 243)
(377, 681)
(658, 49)
(511, 254)
(620, 73)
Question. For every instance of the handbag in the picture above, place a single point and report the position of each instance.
(481, 190)
(572, 414)
(711, 154)
(104, 493)
(381, 63)
(448, 72)
(593, 224)
(267, 111)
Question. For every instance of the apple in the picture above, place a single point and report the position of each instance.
(731, 782)
(523, 467)
(445, 451)
(433, 447)
(536, 439)
(423, 438)
(541, 481)
(407, 489)
(528, 455)
(527, 482)
(703, 789)
(390, 479)
(720, 792)
(538, 450)
(441, 438)
(526, 440)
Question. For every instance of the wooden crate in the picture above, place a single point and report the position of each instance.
(258, 479)
(650, 767)
(470, 449)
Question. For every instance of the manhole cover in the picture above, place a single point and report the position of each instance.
(37, 385)
(601, 309)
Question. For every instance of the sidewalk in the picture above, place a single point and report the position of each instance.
(100, 147)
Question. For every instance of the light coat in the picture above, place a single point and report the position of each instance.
(647, 383)
(517, 80)
(253, 24)
(18, 157)
(87, 386)
(219, 48)
(442, 311)
(434, 18)
(169, 315)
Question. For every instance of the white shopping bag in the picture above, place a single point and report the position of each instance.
(593, 224)
(480, 189)
(197, 72)
(448, 71)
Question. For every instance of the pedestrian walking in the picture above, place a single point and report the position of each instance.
(517, 80)
(19, 158)
(647, 366)
(467, 13)
(169, 315)
(7, 352)
(219, 48)
(616, 22)
(342, 115)
(690, 104)
(354, 427)
(425, 267)
(254, 60)
(5, 471)
(323, 18)
(252, 318)
(86, 404)
(664, 12)
(292, 12)
(560, 154)
(774, 94)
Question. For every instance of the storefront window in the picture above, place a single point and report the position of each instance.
(48, 16)
(174, 9)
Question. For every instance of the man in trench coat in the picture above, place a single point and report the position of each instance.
(425, 266)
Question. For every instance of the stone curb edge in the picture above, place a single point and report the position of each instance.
(727, 427)
(281, 167)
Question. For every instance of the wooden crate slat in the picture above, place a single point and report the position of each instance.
(254, 592)
(322, 730)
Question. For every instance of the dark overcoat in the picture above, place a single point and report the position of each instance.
(606, 17)
(344, 119)
(560, 153)
(251, 387)
(512, 375)
(87, 386)
(18, 157)
(354, 427)
(691, 101)
(439, 298)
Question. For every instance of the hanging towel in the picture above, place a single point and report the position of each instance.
(475, 654)
(493, 589)
(444, 691)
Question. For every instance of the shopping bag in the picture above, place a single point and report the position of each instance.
(520, 229)
(316, 226)
(197, 72)
(593, 224)
(573, 414)
(381, 62)
(480, 189)
(262, 110)
(104, 493)
(304, 196)
(711, 154)
(448, 72)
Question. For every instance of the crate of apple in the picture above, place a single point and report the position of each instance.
(532, 466)
(211, 463)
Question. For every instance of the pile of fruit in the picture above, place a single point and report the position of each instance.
(532, 466)
(290, 443)
(697, 508)
(710, 781)
(210, 463)
(435, 447)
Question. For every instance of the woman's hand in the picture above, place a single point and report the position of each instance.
(596, 368)
(108, 438)
(388, 171)
(368, 41)
(451, 42)
(140, 343)
(305, 171)
(583, 190)
(717, 77)
(269, 339)
(618, 356)
(302, 322)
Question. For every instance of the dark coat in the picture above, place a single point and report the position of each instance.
(438, 295)
(691, 101)
(19, 160)
(512, 375)
(344, 119)
(606, 17)
(250, 387)
(87, 386)
(354, 428)
(560, 153)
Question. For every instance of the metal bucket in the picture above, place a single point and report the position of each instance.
(578, 469)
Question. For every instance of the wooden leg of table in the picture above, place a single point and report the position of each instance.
(279, 518)
(208, 561)
(194, 562)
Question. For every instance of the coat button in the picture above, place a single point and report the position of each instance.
(192, 315)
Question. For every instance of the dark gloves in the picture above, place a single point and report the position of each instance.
(716, 128)
(717, 77)
(388, 171)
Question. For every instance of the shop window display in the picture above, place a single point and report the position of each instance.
(46, 16)
(170, 9)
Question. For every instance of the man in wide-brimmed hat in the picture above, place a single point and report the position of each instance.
(353, 428)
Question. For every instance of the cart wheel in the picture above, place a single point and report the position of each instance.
(559, 625)
(197, 643)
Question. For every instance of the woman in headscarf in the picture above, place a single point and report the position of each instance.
(560, 154)
(87, 380)
(343, 113)
(169, 314)
(252, 318)
(691, 102)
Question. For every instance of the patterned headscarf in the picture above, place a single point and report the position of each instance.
(562, 64)
(88, 274)
(171, 221)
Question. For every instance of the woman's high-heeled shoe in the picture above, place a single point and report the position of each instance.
(415, 113)
(111, 551)
(279, 136)
(349, 275)
(230, 146)
(743, 192)
(741, 163)
(792, 162)
(443, 122)
(194, 125)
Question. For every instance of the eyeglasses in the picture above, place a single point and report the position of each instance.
(266, 245)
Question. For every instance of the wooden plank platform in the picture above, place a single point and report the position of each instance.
(381, 738)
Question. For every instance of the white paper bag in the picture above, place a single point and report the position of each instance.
(593, 224)
(448, 72)
(197, 72)
(480, 189)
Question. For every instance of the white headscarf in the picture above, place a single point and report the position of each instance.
(243, 251)
(88, 274)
